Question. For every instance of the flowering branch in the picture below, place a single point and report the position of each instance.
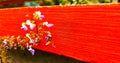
(30, 39)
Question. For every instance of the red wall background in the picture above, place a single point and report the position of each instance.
(87, 32)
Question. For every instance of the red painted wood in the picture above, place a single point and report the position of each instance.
(87, 32)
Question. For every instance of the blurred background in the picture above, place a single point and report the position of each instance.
(24, 56)
(22, 3)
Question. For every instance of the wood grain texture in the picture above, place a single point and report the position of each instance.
(87, 32)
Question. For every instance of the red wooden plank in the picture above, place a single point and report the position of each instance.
(87, 32)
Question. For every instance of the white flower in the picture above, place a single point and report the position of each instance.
(24, 27)
(38, 13)
(28, 36)
(32, 26)
(28, 22)
(45, 23)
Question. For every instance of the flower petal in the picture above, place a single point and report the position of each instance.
(28, 22)
(32, 26)
(24, 28)
(49, 25)
(5, 42)
(32, 41)
(42, 16)
(32, 51)
(46, 38)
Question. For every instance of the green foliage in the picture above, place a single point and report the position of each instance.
(11, 5)
(62, 2)
(58, 2)
(48, 2)
(105, 1)
(86, 1)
